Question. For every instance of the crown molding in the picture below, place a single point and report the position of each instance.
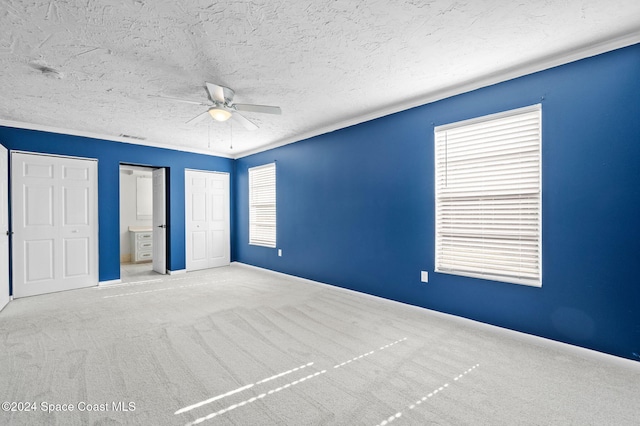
(576, 53)
(623, 39)
(81, 133)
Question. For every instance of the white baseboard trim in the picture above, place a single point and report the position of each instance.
(284, 275)
(177, 272)
(110, 282)
(525, 337)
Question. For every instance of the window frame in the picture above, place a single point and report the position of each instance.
(535, 245)
(260, 232)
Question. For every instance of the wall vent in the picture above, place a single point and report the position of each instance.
(139, 138)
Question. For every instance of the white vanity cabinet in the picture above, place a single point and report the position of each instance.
(141, 244)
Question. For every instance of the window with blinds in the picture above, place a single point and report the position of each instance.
(488, 197)
(262, 205)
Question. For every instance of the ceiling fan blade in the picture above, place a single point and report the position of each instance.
(198, 118)
(239, 118)
(179, 100)
(258, 108)
(219, 94)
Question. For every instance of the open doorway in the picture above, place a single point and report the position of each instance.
(142, 223)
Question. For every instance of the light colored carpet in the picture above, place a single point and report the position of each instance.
(241, 346)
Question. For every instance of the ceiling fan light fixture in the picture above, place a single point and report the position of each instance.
(219, 114)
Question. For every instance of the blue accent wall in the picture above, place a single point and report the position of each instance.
(356, 207)
(110, 155)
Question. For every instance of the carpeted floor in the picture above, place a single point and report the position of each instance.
(242, 346)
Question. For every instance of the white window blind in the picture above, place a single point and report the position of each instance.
(262, 205)
(488, 197)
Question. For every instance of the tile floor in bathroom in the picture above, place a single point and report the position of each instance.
(133, 272)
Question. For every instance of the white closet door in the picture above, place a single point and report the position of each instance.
(4, 227)
(159, 222)
(207, 219)
(55, 223)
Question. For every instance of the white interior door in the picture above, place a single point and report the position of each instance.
(207, 219)
(55, 223)
(159, 222)
(4, 227)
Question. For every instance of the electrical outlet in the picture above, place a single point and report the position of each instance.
(424, 276)
(279, 252)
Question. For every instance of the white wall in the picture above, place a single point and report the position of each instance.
(128, 206)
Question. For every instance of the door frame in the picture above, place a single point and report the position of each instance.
(166, 208)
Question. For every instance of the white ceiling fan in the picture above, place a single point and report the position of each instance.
(222, 107)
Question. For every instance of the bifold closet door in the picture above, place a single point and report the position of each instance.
(55, 223)
(207, 219)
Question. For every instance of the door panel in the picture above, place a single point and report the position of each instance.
(75, 173)
(38, 170)
(199, 245)
(55, 242)
(75, 254)
(217, 207)
(217, 244)
(199, 210)
(38, 260)
(207, 213)
(76, 206)
(219, 220)
(38, 206)
(159, 222)
(198, 181)
(4, 227)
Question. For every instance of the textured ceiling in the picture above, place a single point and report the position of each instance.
(87, 67)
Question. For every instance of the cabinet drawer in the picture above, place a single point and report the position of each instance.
(144, 256)
(145, 245)
(142, 236)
